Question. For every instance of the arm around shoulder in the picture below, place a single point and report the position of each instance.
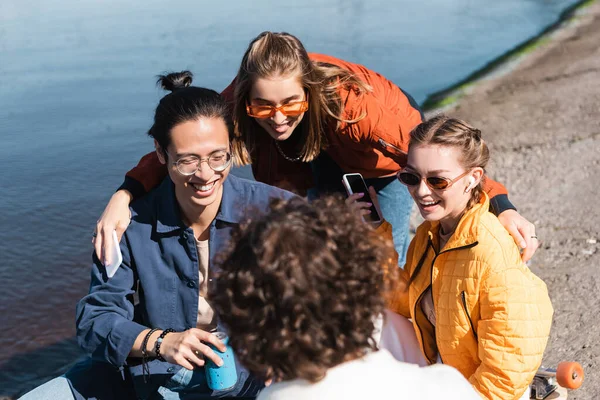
(522, 231)
(145, 176)
(498, 195)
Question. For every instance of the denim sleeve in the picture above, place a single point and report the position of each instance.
(105, 326)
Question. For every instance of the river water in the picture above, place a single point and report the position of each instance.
(77, 95)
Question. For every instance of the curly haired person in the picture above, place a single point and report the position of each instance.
(300, 292)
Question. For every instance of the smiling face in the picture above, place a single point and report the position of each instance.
(200, 138)
(277, 91)
(446, 206)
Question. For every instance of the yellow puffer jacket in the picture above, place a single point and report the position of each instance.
(493, 315)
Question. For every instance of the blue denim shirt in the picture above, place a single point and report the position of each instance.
(159, 253)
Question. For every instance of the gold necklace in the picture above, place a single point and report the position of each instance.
(284, 155)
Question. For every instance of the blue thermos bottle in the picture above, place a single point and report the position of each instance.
(224, 377)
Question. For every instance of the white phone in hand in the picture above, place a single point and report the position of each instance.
(116, 258)
(354, 183)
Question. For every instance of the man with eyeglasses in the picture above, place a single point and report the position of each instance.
(153, 318)
(176, 232)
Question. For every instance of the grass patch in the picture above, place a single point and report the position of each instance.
(530, 47)
(587, 3)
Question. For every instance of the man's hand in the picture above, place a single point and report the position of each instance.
(188, 348)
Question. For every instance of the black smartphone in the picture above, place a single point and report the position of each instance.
(354, 183)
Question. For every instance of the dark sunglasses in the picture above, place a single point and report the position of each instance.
(433, 182)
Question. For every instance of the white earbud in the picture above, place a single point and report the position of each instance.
(471, 184)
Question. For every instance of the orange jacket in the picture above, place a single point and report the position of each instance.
(375, 146)
(493, 315)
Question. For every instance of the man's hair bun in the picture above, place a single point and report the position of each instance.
(175, 80)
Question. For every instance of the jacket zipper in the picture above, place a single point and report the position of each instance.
(463, 296)
(468, 246)
(420, 331)
(417, 304)
(433, 300)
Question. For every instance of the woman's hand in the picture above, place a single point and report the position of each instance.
(522, 231)
(362, 207)
(187, 348)
(116, 216)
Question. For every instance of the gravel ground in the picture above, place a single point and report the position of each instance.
(542, 121)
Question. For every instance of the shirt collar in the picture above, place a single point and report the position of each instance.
(234, 202)
(231, 210)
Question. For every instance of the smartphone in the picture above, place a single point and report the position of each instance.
(117, 257)
(354, 183)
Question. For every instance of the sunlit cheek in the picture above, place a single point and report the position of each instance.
(454, 198)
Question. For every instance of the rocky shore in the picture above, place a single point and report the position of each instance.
(541, 116)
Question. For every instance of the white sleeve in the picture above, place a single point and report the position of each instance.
(449, 384)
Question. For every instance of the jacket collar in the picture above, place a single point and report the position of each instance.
(168, 215)
(467, 230)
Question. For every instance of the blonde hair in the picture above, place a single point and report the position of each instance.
(281, 54)
(445, 131)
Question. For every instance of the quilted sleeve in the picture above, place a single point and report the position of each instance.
(516, 314)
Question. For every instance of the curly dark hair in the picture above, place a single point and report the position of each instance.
(300, 288)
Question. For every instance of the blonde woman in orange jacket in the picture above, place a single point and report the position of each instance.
(473, 303)
(302, 120)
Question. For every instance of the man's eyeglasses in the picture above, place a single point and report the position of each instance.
(433, 182)
(189, 165)
(290, 109)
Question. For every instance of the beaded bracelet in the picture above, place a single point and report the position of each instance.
(145, 369)
(159, 342)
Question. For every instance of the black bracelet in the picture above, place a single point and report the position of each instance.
(145, 342)
(145, 369)
(159, 342)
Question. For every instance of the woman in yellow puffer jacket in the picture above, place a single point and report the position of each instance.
(474, 304)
